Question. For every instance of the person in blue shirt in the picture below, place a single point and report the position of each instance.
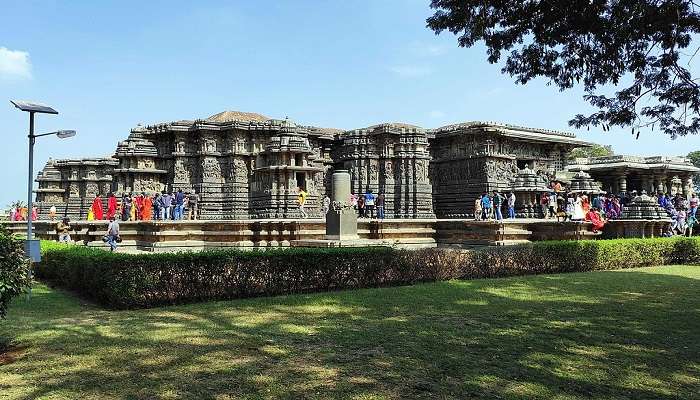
(485, 206)
(179, 205)
(369, 204)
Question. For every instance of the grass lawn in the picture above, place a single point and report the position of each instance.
(632, 334)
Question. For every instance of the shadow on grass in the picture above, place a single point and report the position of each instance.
(621, 334)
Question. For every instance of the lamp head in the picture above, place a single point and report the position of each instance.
(65, 134)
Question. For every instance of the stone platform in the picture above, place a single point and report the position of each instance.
(158, 236)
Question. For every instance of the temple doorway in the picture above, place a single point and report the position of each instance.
(301, 180)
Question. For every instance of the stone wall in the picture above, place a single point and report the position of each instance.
(472, 158)
(392, 159)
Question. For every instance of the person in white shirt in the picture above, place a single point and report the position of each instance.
(511, 205)
(112, 233)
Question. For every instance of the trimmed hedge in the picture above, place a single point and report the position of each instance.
(145, 280)
(14, 269)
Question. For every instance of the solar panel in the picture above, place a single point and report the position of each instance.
(33, 107)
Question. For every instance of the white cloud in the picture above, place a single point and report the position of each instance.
(436, 114)
(427, 49)
(410, 71)
(14, 64)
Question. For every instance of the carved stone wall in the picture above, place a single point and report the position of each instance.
(243, 165)
(470, 159)
(392, 159)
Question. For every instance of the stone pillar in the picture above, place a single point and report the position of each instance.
(615, 185)
(669, 185)
(622, 183)
(341, 220)
(660, 185)
(687, 186)
(645, 183)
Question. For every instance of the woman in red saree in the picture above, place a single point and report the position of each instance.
(138, 202)
(111, 206)
(147, 208)
(594, 217)
(97, 208)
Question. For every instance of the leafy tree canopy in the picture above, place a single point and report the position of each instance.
(596, 150)
(639, 46)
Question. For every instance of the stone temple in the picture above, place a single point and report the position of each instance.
(248, 166)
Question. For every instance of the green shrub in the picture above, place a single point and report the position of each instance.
(144, 280)
(14, 276)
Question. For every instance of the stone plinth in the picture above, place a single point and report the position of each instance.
(172, 236)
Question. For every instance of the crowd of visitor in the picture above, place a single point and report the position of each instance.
(143, 207)
(595, 208)
(366, 204)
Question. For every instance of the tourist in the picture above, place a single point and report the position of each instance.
(126, 207)
(186, 207)
(478, 209)
(663, 200)
(593, 216)
(134, 208)
(544, 204)
(157, 206)
(578, 214)
(301, 199)
(691, 222)
(166, 202)
(679, 201)
(485, 206)
(552, 205)
(585, 204)
(146, 207)
(111, 205)
(13, 214)
(353, 201)
(361, 205)
(562, 214)
(63, 229)
(326, 205)
(23, 213)
(179, 204)
(138, 205)
(597, 202)
(497, 205)
(96, 208)
(369, 204)
(693, 204)
(511, 205)
(112, 234)
(194, 205)
(52, 213)
(380, 205)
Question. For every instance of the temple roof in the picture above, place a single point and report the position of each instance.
(632, 162)
(392, 127)
(515, 131)
(228, 116)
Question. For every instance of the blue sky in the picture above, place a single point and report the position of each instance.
(107, 66)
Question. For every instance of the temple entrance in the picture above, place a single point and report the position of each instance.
(301, 180)
(524, 163)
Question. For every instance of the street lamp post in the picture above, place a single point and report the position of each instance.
(32, 246)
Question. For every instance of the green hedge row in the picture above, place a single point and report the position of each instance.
(120, 280)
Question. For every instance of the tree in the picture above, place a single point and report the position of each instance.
(694, 157)
(637, 46)
(596, 150)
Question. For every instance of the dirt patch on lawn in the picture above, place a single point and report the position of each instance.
(11, 354)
